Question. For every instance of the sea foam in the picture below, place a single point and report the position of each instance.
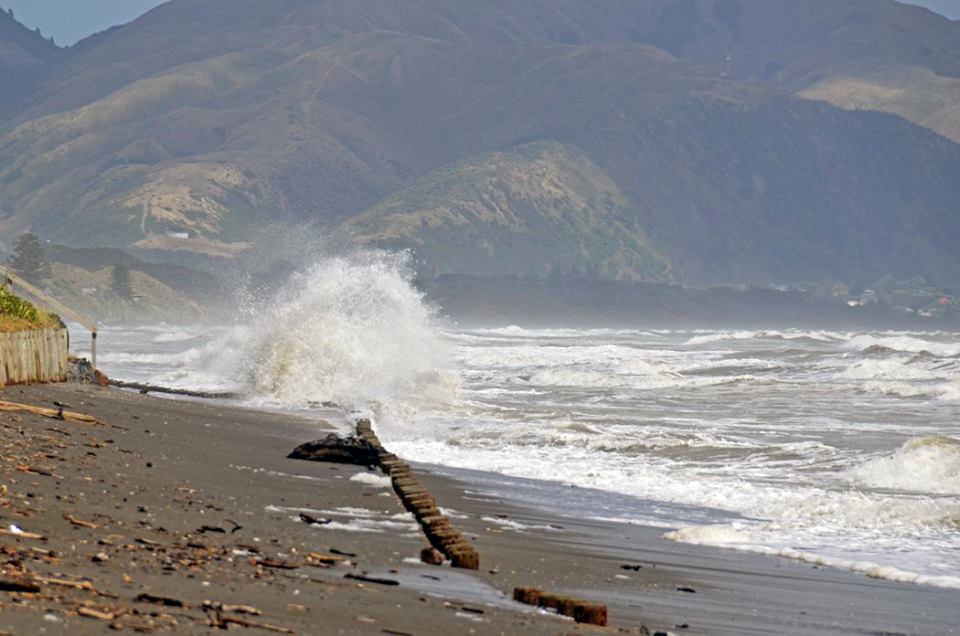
(927, 464)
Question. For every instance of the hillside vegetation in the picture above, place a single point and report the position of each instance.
(658, 140)
(17, 314)
(916, 93)
(546, 204)
(90, 293)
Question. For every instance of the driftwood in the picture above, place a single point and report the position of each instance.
(56, 414)
(166, 601)
(25, 586)
(371, 579)
(314, 521)
(21, 534)
(220, 621)
(277, 565)
(438, 530)
(152, 388)
(224, 622)
(89, 612)
(580, 610)
(237, 609)
(79, 522)
(77, 585)
(342, 450)
(325, 560)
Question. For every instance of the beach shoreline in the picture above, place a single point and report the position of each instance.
(157, 471)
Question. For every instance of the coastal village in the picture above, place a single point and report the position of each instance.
(912, 297)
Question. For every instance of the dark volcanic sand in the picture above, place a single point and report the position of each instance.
(156, 471)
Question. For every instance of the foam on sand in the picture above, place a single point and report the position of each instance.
(732, 538)
(372, 479)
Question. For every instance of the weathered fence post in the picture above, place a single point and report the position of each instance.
(33, 356)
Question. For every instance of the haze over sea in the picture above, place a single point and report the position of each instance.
(835, 448)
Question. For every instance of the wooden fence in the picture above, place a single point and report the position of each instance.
(33, 356)
(8, 278)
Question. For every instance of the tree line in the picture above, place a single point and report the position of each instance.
(29, 261)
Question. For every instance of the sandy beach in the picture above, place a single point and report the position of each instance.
(184, 516)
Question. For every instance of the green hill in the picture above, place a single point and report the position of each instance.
(658, 140)
(873, 55)
(547, 205)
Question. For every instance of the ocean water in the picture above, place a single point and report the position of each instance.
(841, 449)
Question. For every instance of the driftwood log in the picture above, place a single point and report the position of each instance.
(57, 414)
(580, 610)
(365, 449)
(153, 388)
(342, 450)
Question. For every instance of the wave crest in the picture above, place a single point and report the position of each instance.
(925, 464)
(349, 330)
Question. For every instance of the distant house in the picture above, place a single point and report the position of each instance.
(839, 290)
(868, 297)
(179, 235)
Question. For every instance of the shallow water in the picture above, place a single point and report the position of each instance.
(835, 448)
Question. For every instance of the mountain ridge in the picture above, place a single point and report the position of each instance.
(25, 57)
(344, 114)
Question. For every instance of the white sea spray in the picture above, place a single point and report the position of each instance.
(353, 331)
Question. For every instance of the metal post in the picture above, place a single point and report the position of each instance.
(93, 350)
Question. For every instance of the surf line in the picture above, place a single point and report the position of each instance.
(418, 501)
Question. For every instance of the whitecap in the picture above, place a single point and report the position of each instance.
(926, 464)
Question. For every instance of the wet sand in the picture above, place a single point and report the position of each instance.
(192, 502)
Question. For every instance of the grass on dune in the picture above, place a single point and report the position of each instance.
(17, 314)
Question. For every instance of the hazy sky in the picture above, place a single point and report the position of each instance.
(71, 20)
(949, 8)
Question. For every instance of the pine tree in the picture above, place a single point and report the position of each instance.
(122, 283)
(29, 259)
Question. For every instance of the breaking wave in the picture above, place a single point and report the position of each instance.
(349, 330)
(903, 343)
(905, 377)
(353, 331)
(787, 336)
(926, 464)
